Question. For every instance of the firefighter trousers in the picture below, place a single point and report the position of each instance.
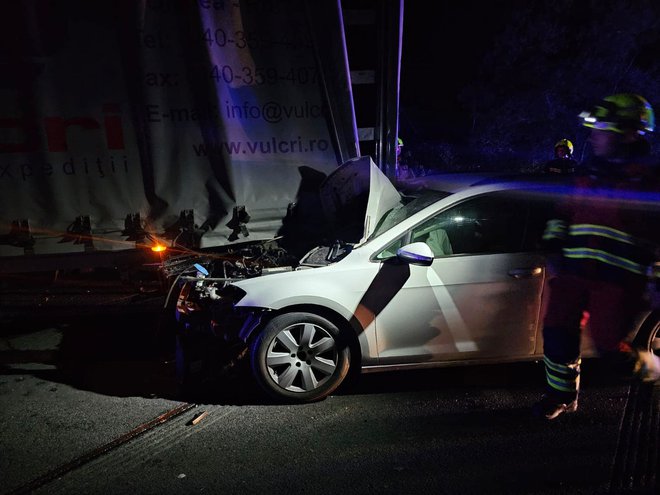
(611, 309)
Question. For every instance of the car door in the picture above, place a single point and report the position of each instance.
(481, 296)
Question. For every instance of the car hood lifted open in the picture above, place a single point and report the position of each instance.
(330, 216)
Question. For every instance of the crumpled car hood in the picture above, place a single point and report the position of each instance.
(353, 199)
(358, 192)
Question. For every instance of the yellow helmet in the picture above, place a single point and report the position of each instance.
(620, 113)
(565, 143)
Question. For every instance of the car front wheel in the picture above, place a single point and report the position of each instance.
(299, 357)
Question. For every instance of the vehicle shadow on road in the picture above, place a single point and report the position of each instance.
(122, 355)
(107, 354)
(129, 354)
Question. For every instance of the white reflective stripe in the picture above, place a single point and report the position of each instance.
(554, 228)
(601, 230)
(610, 259)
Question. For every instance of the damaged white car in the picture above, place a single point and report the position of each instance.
(441, 279)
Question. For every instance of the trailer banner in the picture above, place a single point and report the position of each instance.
(123, 123)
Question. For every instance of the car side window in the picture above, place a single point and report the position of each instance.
(434, 233)
(494, 223)
(391, 249)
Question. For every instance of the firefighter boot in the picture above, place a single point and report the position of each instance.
(552, 406)
(647, 367)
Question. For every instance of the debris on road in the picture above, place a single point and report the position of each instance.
(198, 417)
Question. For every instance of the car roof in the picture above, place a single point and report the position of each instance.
(456, 182)
(447, 182)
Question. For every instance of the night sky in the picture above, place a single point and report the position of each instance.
(498, 83)
(443, 44)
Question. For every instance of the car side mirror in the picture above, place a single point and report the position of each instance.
(416, 253)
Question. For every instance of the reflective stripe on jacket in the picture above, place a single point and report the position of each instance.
(607, 245)
(608, 226)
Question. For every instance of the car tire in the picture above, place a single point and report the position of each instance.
(648, 336)
(299, 357)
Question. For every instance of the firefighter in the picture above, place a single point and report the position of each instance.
(402, 170)
(606, 246)
(563, 162)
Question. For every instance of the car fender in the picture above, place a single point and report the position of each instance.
(338, 288)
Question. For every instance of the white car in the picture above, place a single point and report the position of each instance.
(442, 279)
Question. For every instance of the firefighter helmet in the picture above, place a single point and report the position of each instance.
(620, 113)
(565, 143)
(399, 147)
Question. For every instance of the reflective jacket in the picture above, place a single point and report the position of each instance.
(610, 224)
(561, 166)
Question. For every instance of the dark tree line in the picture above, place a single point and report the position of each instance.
(550, 60)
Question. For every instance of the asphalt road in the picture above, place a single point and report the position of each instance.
(88, 405)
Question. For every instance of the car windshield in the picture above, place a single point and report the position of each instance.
(399, 213)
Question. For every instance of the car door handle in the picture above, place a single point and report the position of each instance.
(525, 272)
